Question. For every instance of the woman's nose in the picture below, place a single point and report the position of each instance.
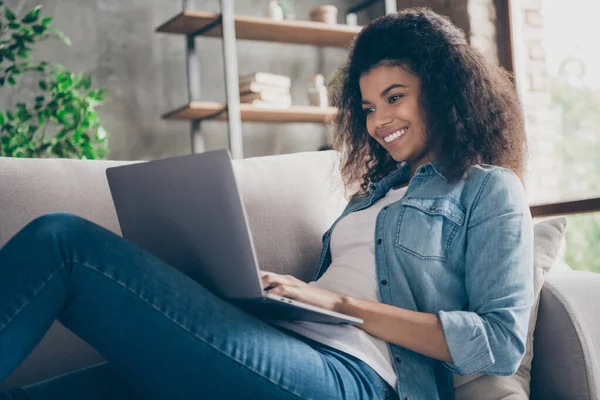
(382, 119)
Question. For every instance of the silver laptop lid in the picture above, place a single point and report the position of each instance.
(187, 211)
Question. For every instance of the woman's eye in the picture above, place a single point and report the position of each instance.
(367, 111)
(394, 98)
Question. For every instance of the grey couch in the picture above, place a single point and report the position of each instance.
(290, 200)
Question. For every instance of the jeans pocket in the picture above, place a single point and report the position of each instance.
(427, 226)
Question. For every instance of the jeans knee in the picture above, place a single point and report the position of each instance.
(54, 223)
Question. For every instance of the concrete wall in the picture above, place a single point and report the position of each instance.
(145, 72)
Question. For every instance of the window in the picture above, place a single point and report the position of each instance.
(558, 73)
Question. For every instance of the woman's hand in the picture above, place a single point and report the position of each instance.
(295, 289)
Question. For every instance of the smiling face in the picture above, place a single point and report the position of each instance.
(390, 97)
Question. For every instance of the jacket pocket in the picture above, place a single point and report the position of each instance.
(427, 226)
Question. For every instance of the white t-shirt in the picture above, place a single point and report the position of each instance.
(353, 273)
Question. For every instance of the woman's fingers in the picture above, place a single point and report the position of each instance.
(286, 291)
(271, 280)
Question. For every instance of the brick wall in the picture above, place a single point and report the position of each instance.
(483, 34)
(534, 88)
(544, 131)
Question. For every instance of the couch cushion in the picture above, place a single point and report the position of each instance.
(548, 236)
(290, 201)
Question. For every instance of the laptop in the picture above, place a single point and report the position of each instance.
(187, 211)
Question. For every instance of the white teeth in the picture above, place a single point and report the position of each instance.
(395, 135)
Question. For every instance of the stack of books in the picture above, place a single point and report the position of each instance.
(263, 89)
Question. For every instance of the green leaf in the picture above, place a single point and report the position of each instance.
(62, 36)
(60, 115)
(32, 16)
(46, 21)
(102, 134)
(77, 136)
(9, 55)
(12, 81)
(40, 68)
(86, 83)
(39, 29)
(2, 80)
(23, 53)
(14, 141)
(9, 14)
(39, 99)
(2, 118)
(43, 85)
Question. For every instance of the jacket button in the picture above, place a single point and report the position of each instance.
(379, 241)
(398, 359)
(383, 282)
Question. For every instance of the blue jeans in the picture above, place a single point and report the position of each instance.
(164, 336)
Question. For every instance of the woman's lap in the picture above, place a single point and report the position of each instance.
(161, 332)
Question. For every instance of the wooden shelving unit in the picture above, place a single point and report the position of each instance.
(264, 29)
(200, 110)
(230, 28)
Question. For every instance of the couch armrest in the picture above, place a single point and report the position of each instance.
(567, 338)
(60, 351)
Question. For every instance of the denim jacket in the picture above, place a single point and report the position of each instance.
(462, 251)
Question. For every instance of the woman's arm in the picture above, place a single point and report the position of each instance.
(417, 331)
(490, 335)
(420, 332)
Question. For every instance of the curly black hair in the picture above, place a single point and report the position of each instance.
(469, 105)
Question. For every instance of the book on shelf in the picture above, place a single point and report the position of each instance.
(267, 79)
(268, 104)
(266, 96)
(255, 87)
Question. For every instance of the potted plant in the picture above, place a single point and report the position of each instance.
(61, 121)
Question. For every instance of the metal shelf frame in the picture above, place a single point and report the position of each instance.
(226, 20)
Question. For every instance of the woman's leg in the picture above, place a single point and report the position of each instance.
(163, 333)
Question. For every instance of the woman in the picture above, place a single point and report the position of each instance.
(433, 252)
